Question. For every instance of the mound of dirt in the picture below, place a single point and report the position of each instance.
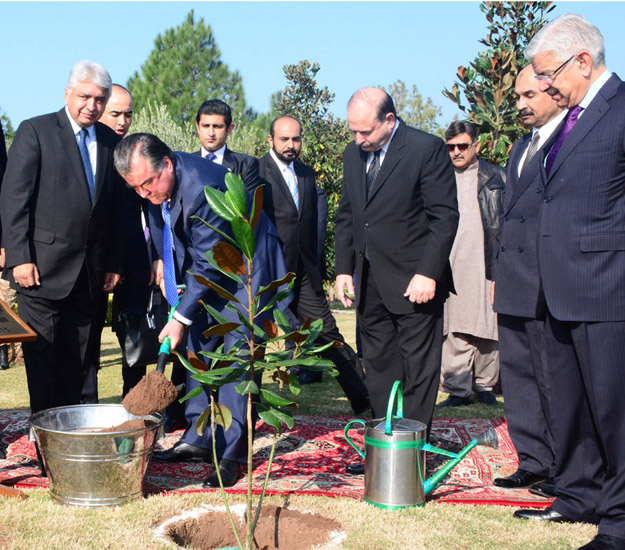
(153, 393)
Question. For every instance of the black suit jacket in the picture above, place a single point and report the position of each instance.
(47, 215)
(407, 224)
(298, 227)
(242, 165)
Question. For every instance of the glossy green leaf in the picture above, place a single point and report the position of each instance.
(223, 416)
(217, 202)
(193, 393)
(216, 230)
(275, 399)
(268, 417)
(257, 206)
(236, 194)
(276, 284)
(202, 421)
(247, 386)
(244, 235)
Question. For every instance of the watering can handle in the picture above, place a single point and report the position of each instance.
(397, 393)
(347, 427)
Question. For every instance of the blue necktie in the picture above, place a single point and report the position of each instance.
(211, 157)
(291, 181)
(86, 161)
(169, 272)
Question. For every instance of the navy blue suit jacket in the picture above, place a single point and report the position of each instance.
(192, 238)
(581, 247)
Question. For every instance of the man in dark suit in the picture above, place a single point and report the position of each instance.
(62, 235)
(4, 348)
(291, 202)
(214, 124)
(396, 225)
(174, 183)
(520, 316)
(581, 260)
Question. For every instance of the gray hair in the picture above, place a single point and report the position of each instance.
(89, 70)
(566, 36)
(147, 146)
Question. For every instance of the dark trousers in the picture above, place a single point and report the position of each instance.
(405, 347)
(586, 367)
(527, 396)
(56, 363)
(93, 353)
(308, 303)
(231, 444)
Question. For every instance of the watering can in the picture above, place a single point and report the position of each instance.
(394, 457)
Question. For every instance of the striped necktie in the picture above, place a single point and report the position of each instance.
(169, 271)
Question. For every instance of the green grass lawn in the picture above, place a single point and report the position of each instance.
(38, 523)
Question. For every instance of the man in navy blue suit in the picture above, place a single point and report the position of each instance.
(157, 174)
(581, 259)
(520, 314)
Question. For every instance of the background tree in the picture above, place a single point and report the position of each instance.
(7, 129)
(183, 70)
(488, 83)
(324, 137)
(412, 109)
(155, 119)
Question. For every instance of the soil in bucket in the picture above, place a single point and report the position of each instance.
(278, 528)
(153, 393)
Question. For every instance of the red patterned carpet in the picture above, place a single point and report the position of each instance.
(310, 459)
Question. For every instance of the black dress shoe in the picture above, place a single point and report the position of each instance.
(183, 452)
(520, 478)
(230, 472)
(357, 469)
(604, 542)
(455, 401)
(543, 515)
(486, 397)
(545, 489)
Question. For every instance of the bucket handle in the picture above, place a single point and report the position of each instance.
(347, 428)
(397, 394)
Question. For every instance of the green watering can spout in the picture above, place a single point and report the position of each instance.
(488, 438)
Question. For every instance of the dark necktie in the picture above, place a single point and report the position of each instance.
(372, 173)
(169, 272)
(571, 120)
(211, 157)
(86, 161)
(531, 150)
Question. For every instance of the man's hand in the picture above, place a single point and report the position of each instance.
(111, 280)
(175, 330)
(421, 289)
(492, 293)
(2, 258)
(344, 286)
(26, 275)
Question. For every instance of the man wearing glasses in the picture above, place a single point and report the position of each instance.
(581, 257)
(470, 359)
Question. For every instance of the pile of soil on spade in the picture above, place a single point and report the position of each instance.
(278, 528)
(153, 393)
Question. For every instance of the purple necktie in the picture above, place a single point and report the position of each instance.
(571, 120)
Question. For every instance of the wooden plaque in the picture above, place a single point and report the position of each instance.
(12, 328)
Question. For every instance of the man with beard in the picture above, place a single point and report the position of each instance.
(291, 203)
(470, 357)
(520, 315)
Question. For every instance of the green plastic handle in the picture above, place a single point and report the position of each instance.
(165, 349)
(397, 393)
(347, 427)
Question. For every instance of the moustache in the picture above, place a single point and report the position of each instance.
(456, 157)
(526, 112)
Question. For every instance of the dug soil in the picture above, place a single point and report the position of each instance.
(153, 393)
(277, 529)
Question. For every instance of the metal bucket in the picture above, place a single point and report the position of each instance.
(90, 468)
(394, 457)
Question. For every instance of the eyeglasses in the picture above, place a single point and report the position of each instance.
(548, 78)
(461, 146)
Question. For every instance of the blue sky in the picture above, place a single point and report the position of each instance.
(356, 43)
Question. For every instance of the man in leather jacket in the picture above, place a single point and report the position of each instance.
(470, 361)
